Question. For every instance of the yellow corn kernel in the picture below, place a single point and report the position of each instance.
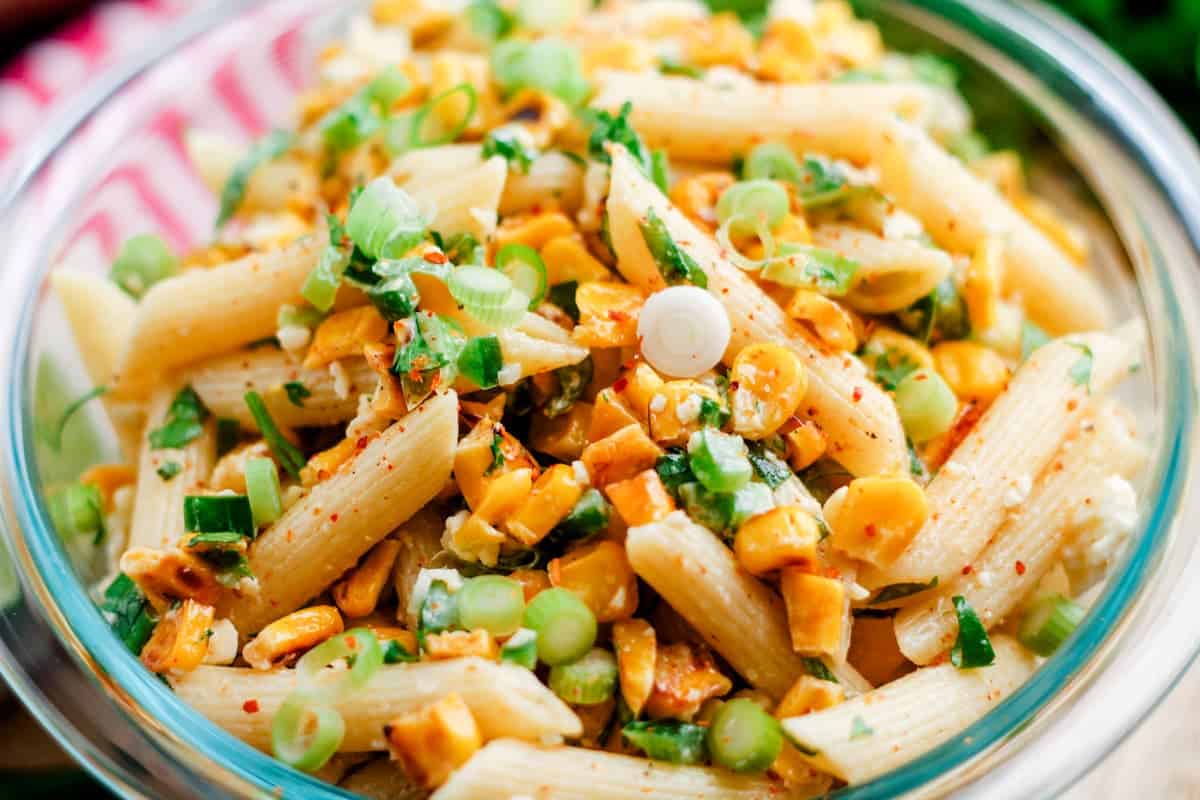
(564, 436)
(815, 605)
(973, 371)
(1003, 170)
(541, 114)
(777, 63)
(795, 37)
(108, 478)
(642, 499)
(448, 70)
(874, 518)
(433, 742)
(297, 632)
(324, 464)
(599, 573)
(550, 500)
(213, 255)
(534, 230)
(874, 651)
(625, 55)
(609, 415)
(344, 334)
(608, 314)
(568, 259)
(792, 768)
(388, 400)
(533, 581)
(476, 540)
(180, 639)
(721, 40)
(809, 694)
(504, 494)
(637, 388)
(1070, 238)
(358, 594)
(805, 444)
(981, 286)
(168, 575)
(675, 410)
(475, 459)
(697, 197)
(461, 644)
(768, 383)
(620, 456)
(785, 536)
(636, 646)
(230, 472)
(684, 677)
(831, 323)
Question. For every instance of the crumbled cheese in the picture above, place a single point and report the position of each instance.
(984, 577)
(688, 411)
(509, 374)
(899, 224)
(1103, 526)
(341, 380)
(953, 469)
(724, 77)
(1018, 492)
(581, 473)
(222, 644)
(658, 403)
(293, 338)
(425, 578)
(522, 637)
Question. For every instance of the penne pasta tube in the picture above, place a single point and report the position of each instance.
(857, 416)
(203, 313)
(420, 540)
(1009, 447)
(326, 532)
(551, 176)
(505, 767)
(892, 274)
(869, 735)
(464, 201)
(100, 316)
(505, 700)
(424, 163)
(1030, 541)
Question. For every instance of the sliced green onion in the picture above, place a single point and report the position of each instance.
(587, 681)
(358, 646)
(547, 15)
(743, 737)
(285, 452)
(133, 617)
(1049, 623)
(143, 261)
(268, 148)
(750, 501)
(415, 137)
(927, 405)
(801, 266)
(385, 221)
(725, 511)
(972, 648)
(77, 511)
(565, 627)
(439, 610)
(546, 64)
(509, 143)
(673, 469)
(395, 298)
(218, 512)
(303, 316)
(428, 358)
(321, 286)
(262, 489)
(305, 733)
(489, 20)
(669, 740)
(525, 268)
(520, 649)
(481, 360)
(396, 653)
(573, 380)
(821, 183)
(772, 161)
(1032, 337)
(509, 313)
(479, 287)
(387, 87)
(753, 200)
(674, 263)
(942, 314)
(660, 170)
(54, 434)
(719, 460)
(492, 602)
(184, 421)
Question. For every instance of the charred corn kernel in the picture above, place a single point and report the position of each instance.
(620, 456)
(625, 55)
(874, 518)
(344, 334)
(609, 415)
(608, 314)
(542, 115)
(431, 743)
(768, 383)
(600, 575)
(461, 644)
(684, 677)
(475, 463)
(292, 635)
(213, 255)
(832, 324)
(797, 38)
(1004, 171)
(973, 371)
(1070, 238)
(504, 494)
(595, 721)
(641, 499)
(180, 639)
(168, 575)
(388, 400)
(721, 40)
(476, 539)
(230, 472)
(805, 444)
(637, 388)
(896, 348)
(324, 464)
(809, 694)
(981, 286)
(782, 537)
(674, 410)
(697, 196)
(448, 70)
(568, 259)
(533, 581)
(636, 646)
(108, 478)
(533, 230)
(550, 500)
(874, 651)
(358, 594)
(564, 436)
(793, 230)
(815, 605)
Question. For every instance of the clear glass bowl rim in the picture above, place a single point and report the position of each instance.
(1123, 104)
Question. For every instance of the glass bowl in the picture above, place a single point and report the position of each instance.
(113, 166)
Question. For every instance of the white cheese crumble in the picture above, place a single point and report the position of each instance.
(293, 338)
(1018, 492)
(509, 374)
(341, 380)
(222, 644)
(800, 11)
(688, 411)
(899, 225)
(1103, 525)
(581, 473)
(658, 403)
(425, 578)
(953, 469)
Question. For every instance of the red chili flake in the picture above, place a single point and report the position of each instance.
(619, 384)
(733, 386)
(361, 443)
(921, 376)
(617, 316)
(434, 257)
(250, 706)
(333, 517)
(966, 570)
(871, 531)
(1020, 567)
(857, 393)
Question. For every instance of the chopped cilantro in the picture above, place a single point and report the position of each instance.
(229, 433)
(169, 470)
(497, 453)
(972, 648)
(133, 617)
(396, 653)
(1081, 370)
(618, 130)
(896, 591)
(674, 469)
(712, 413)
(296, 392)
(507, 142)
(572, 381)
(184, 421)
(768, 466)
(563, 296)
(816, 667)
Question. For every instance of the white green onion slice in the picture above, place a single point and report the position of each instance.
(1049, 623)
(143, 261)
(420, 119)
(743, 737)
(719, 460)
(683, 330)
(306, 732)
(743, 204)
(491, 602)
(773, 161)
(926, 403)
(588, 681)
(358, 644)
(511, 312)
(385, 221)
(476, 286)
(565, 627)
(262, 487)
(524, 266)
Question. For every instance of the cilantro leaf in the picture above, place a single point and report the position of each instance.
(1081, 370)
(169, 470)
(972, 648)
(184, 421)
(507, 142)
(296, 392)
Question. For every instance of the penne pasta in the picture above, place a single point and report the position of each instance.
(464, 201)
(100, 316)
(505, 700)
(858, 417)
(420, 540)
(892, 274)
(326, 532)
(552, 178)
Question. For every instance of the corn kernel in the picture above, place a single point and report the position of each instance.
(636, 646)
(697, 197)
(620, 456)
(167, 575)
(564, 436)
(782, 537)
(324, 464)
(722, 40)
(609, 415)
(550, 500)
(641, 499)
(815, 608)
(297, 632)
(568, 259)
(637, 388)
(973, 371)
(534, 230)
(475, 460)
(599, 573)
(831, 323)
(433, 742)
(981, 287)
(180, 639)
(344, 334)
(358, 594)
(674, 410)
(809, 694)
(805, 444)
(684, 677)
(778, 64)
(769, 382)
(897, 348)
(875, 518)
(390, 633)
(608, 315)
(533, 581)
(423, 22)
(461, 644)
